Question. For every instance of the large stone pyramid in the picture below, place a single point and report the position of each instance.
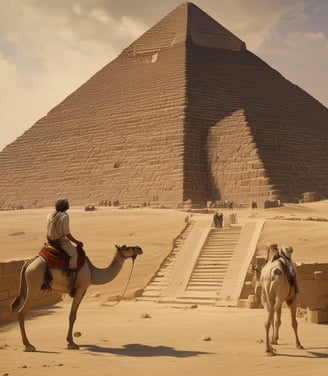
(184, 114)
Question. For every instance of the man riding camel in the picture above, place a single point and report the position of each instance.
(60, 237)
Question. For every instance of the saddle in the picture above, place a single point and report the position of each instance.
(289, 271)
(57, 258)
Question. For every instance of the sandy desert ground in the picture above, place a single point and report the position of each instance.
(147, 338)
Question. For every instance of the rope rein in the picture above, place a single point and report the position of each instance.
(127, 284)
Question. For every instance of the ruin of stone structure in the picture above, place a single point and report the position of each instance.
(185, 114)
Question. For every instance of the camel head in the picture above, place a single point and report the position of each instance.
(272, 252)
(129, 251)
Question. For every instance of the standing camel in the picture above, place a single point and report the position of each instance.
(33, 277)
(276, 289)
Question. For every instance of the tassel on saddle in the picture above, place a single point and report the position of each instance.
(46, 286)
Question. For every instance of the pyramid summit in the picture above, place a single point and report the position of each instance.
(184, 114)
(186, 22)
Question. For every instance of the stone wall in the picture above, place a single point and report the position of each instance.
(313, 286)
(9, 285)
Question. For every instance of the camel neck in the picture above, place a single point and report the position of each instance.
(105, 275)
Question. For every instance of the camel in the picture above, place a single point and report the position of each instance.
(33, 277)
(276, 289)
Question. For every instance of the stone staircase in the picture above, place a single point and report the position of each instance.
(211, 266)
(195, 270)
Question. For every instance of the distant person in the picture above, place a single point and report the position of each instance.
(60, 237)
(216, 219)
(220, 220)
(254, 205)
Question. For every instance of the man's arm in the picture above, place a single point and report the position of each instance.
(65, 223)
(72, 239)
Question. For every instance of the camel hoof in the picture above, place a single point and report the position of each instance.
(270, 351)
(300, 347)
(72, 346)
(29, 348)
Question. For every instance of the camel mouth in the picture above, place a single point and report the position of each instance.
(138, 251)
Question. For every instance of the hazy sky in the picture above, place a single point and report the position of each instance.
(48, 48)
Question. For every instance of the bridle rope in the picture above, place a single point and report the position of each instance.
(128, 281)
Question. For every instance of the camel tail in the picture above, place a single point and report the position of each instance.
(266, 286)
(22, 287)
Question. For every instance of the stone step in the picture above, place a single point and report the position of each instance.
(209, 276)
(205, 283)
(208, 273)
(199, 294)
(205, 268)
(149, 294)
(187, 301)
(217, 251)
(206, 287)
(213, 261)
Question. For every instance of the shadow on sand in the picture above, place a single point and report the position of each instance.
(308, 354)
(139, 350)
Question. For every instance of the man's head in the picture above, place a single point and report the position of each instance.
(62, 204)
(287, 251)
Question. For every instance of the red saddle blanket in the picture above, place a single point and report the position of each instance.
(56, 258)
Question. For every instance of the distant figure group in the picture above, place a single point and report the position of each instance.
(218, 220)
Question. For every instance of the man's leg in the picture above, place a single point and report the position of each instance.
(70, 249)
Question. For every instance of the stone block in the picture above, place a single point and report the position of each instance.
(2, 270)
(319, 275)
(324, 267)
(317, 316)
(253, 301)
(310, 268)
(4, 295)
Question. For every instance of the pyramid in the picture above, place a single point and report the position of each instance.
(185, 114)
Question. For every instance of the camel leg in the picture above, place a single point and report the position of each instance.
(72, 317)
(293, 309)
(268, 348)
(31, 292)
(277, 323)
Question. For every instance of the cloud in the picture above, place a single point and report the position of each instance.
(297, 48)
(319, 36)
(46, 52)
(251, 22)
(16, 103)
